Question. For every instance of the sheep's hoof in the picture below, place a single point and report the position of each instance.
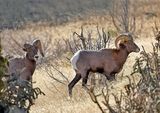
(69, 98)
(70, 95)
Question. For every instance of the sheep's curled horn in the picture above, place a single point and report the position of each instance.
(122, 38)
(37, 44)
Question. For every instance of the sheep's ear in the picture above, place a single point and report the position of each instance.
(26, 47)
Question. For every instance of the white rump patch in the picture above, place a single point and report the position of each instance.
(74, 59)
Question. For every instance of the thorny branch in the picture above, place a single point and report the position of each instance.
(19, 93)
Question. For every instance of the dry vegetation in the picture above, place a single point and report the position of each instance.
(52, 37)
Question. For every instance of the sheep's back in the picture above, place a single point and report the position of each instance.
(94, 59)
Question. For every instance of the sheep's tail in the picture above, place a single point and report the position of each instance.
(74, 60)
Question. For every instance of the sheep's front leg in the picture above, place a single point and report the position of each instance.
(106, 75)
(72, 83)
(110, 77)
(84, 81)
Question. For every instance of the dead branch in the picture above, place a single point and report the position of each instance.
(122, 18)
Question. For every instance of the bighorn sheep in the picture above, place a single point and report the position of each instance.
(105, 61)
(25, 67)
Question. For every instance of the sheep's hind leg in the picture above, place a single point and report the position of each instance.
(85, 79)
(72, 83)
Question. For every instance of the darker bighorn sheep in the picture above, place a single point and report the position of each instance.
(105, 61)
(25, 67)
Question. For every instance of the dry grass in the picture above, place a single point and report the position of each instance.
(56, 100)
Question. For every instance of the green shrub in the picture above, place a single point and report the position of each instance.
(3, 68)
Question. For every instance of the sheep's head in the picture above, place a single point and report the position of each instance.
(32, 49)
(126, 41)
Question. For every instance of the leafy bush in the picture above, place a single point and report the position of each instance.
(3, 68)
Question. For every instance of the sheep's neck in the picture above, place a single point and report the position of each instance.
(30, 64)
(122, 55)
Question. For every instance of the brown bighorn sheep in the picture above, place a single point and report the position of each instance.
(105, 61)
(25, 67)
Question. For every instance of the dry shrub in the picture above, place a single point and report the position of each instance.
(123, 15)
(18, 95)
(65, 48)
(87, 42)
(3, 68)
(141, 97)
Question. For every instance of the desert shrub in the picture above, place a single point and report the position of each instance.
(3, 68)
(87, 42)
(123, 16)
(19, 94)
(141, 97)
(67, 47)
